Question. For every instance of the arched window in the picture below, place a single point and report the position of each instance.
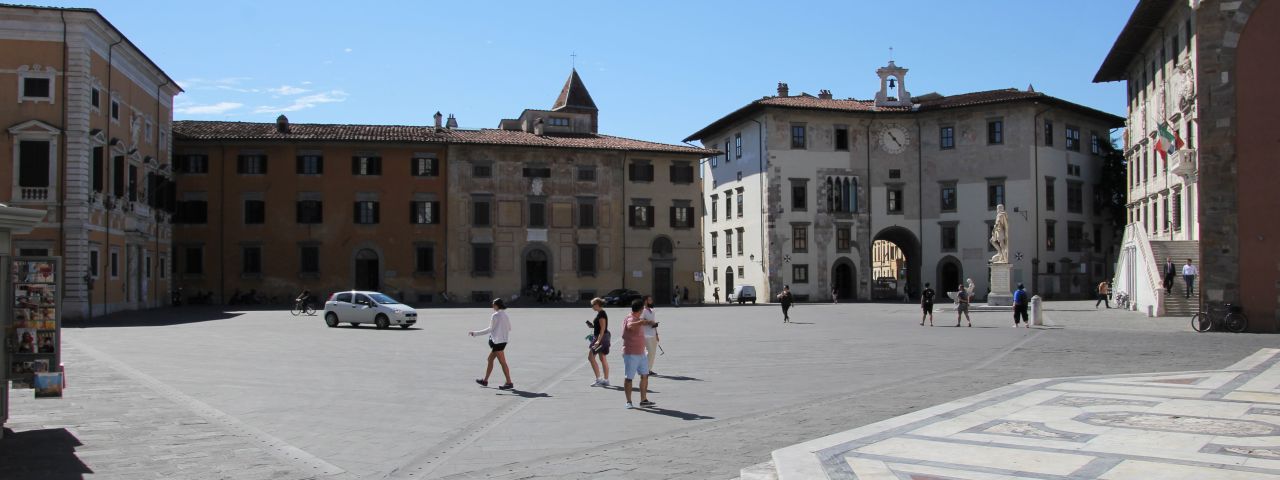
(839, 196)
(831, 206)
(853, 195)
(662, 247)
(845, 196)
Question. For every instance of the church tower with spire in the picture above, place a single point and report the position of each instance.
(574, 98)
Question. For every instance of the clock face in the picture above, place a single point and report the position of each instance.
(894, 139)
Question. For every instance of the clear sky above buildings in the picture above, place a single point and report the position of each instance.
(658, 70)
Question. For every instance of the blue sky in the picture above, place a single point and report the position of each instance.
(658, 70)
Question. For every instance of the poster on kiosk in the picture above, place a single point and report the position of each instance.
(33, 333)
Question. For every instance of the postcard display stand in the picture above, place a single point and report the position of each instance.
(32, 326)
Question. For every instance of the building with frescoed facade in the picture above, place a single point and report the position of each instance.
(436, 213)
(88, 118)
(808, 184)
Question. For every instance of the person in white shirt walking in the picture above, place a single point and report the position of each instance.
(499, 328)
(1189, 275)
(650, 332)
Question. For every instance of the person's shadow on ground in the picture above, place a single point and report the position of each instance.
(45, 454)
(676, 414)
(521, 393)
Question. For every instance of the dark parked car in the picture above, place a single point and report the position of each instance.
(621, 296)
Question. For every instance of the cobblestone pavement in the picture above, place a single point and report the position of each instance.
(274, 396)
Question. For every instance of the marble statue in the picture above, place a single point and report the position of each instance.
(1000, 236)
(969, 287)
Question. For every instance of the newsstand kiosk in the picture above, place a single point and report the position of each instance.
(34, 312)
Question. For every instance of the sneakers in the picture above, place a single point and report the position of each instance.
(506, 386)
(652, 374)
(483, 383)
(604, 382)
(630, 406)
(596, 383)
(646, 403)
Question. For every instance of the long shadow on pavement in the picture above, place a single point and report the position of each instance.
(675, 414)
(158, 317)
(522, 393)
(678, 378)
(44, 454)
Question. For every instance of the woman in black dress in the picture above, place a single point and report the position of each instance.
(599, 343)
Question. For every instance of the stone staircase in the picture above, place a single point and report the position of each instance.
(1176, 304)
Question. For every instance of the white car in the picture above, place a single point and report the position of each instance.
(356, 307)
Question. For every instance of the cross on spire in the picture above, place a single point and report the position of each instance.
(890, 54)
(573, 60)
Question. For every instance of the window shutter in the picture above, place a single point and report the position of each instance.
(375, 166)
(240, 168)
(435, 211)
(435, 167)
(264, 165)
(631, 172)
(298, 162)
(413, 212)
(673, 216)
(631, 216)
(355, 165)
(649, 211)
(375, 212)
(297, 212)
(355, 212)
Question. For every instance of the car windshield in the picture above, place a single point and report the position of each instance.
(616, 292)
(382, 299)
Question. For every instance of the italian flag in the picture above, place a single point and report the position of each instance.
(1167, 142)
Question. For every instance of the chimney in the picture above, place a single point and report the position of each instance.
(452, 123)
(282, 124)
(439, 119)
(824, 94)
(537, 126)
(782, 89)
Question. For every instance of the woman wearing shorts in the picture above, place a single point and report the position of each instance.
(599, 343)
(499, 327)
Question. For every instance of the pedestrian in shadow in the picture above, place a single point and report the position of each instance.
(499, 328)
(962, 306)
(785, 298)
(926, 304)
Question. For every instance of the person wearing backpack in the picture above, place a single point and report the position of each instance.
(926, 304)
(1020, 303)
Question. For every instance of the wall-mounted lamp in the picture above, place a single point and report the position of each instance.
(1023, 212)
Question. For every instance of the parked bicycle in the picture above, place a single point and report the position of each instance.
(1227, 317)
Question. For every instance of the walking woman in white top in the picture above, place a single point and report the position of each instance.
(499, 327)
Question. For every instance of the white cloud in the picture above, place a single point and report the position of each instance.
(288, 90)
(211, 109)
(307, 82)
(347, 50)
(225, 83)
(305, 102)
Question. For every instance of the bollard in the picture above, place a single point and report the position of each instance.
(1037, 313)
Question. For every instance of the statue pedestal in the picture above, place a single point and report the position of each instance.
(1001, 292)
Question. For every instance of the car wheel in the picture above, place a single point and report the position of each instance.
(381, 322)
(405, 326)
(331, 319)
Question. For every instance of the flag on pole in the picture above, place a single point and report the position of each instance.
(1166, 142)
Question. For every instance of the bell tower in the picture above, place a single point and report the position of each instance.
(893, 87)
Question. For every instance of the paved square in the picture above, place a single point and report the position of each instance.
(195, 393)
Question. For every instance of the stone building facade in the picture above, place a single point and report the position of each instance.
(435, 213)
(808, 184)
(88, 120)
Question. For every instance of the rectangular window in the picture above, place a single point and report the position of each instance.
(310, 212)
(425, 166)
(1075, 237)
(193, 164)
(843, 238)
(728, 205)
(480, 212)
(1097, 238)
(33, 163)
(798, 137)
(559, 122)
(948, 196)
(36, 88)
(842, 138)
(251, 164)
(728, 243)
(192, 212)
(1176, 214)
(252, 261)
(799, 196)
(482, 171)
(424, 259)
(641, 171)
(115, 110)
(715, 247)
(681, 172)
(740, 209)
(799, 239)
(255, 212)
(481, 259)
(95, 98)
(1073, 138)
(424, 213)
(799, 274)
(133, 183)
(741, 235)
(366, 213)
(309, 259)
(586, 259)
(310, 164)
(641, 216)
(93, 263)
(737, 145)
(949, 238)
(726, 151)
(1050, 235)
(366, 166)
(1075, 197)
(995, 195)
(99, 169)
(682, 217)
(715, 207)
(1095, 143)
(586, 174)
(1050, 196)
(742, 272)
(194, 261)
(1048, 133)
(995, 132)
(895, 173)
(537, 214)
(947, 138)
(893, 202)
(536, 172)
(586, 214)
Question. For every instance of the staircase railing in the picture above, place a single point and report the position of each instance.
(1143, 243)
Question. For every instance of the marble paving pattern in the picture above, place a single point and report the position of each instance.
(1221, 424)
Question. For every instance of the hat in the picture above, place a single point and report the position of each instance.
(1020, 286)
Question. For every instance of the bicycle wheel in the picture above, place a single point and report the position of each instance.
(308, 309)
(295, 310)
(1200, 322)
(1235, 322)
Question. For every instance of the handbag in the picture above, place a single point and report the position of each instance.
(608, 336)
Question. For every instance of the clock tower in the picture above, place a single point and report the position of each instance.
(893, 87)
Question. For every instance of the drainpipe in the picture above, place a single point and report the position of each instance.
(62, 166)
(155, 289)
(222, 232)
(626, 169)
(1035, 205)
(920, 202)
(763, 208)
(109, 162)
(870, 213)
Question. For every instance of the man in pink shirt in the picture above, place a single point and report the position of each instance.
(633, 356)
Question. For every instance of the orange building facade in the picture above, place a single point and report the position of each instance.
(87, 118)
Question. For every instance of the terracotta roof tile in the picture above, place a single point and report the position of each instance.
(195, 130)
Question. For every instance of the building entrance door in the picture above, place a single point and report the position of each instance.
(844, 280)
(662, 287)
(535, 268)
(367, 274)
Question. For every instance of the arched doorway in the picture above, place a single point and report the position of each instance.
(950, 274)
(368, 272)
(895, 259)
(537, 267)
(844, 279)
(662, 257)
(728, 281)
